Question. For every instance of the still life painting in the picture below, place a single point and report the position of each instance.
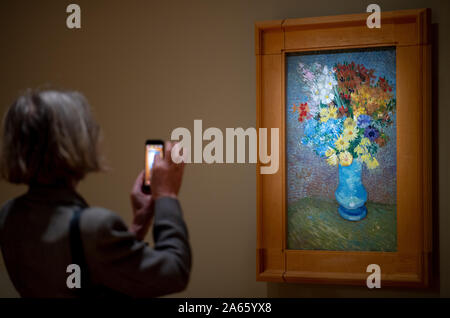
(341, 150)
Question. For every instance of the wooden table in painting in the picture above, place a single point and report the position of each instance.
(314, 224)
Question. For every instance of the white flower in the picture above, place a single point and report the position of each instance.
(314, 108)
(331, 82)
(322, 84)
(325, 93)
(326, 96)
(315, 94)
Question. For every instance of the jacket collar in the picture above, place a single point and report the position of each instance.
(60, 194)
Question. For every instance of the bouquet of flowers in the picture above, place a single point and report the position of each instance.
(346, 112)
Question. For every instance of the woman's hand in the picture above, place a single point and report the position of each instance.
(143, 209)
(166, 175)
(165, 181)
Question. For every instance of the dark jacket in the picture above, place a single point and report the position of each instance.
(34, 239)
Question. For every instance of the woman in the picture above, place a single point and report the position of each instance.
(50, 142)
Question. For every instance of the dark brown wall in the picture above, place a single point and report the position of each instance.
(148, 67)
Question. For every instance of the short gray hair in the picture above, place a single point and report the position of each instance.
(49, 136)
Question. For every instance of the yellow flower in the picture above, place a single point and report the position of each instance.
(359, 111)
(372, 163)
(360, 150)
(350, 133)
(324, 114)
(349, 123)
(345, 158)
(341, 144)
(330, 152)
(332, 112)
(365, 158)
(333, 160)
(365, 142)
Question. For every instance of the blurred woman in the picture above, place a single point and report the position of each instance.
(50, 142)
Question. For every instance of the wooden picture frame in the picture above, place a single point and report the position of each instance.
(409, 32)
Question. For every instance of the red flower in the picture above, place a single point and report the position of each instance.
(303, 111)
(343, 110)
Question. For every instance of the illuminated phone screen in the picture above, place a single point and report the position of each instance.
(150, 152)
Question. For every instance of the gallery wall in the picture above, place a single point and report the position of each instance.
(148, 67)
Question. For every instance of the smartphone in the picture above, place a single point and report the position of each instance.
(153, 148)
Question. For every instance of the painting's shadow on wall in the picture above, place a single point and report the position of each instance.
(435, 156)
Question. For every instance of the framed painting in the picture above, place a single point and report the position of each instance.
(352, 105)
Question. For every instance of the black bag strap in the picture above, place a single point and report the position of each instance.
(76, 247)
(88, 289)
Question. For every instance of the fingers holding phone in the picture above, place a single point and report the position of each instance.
(166, 176)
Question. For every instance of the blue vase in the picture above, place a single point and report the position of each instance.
(350, 193)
